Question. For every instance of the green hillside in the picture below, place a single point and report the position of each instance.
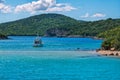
(112, 39)
(96, 27)
(40, 24)
(57, 25)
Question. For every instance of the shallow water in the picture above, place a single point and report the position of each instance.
(57, 60)
(57, 65)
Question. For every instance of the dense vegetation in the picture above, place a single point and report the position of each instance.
(57, 25)
(40, 23)
(96, 27)
(112, 39)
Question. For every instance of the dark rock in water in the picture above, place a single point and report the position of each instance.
(98, 50)
(3, 37)
(117, 54)
(105, 54)
(112, 54)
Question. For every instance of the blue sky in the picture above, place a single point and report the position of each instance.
(88, 10)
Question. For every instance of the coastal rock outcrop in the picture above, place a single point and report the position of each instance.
(59, 32)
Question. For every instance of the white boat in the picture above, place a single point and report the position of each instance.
(38, 42)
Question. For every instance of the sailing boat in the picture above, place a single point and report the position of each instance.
(38, 42)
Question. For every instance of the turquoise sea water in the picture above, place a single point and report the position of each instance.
(67, 44)
(57, 60)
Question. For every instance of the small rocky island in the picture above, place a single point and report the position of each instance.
(3, 37)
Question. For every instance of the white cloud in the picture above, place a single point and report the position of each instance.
(85, 16)
(43, 5)
(4, 8)
(98, 15)
(60, 7)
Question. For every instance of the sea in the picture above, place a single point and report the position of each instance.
(58, 59)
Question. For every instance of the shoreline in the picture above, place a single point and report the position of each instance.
(70, 36)
(109, 53)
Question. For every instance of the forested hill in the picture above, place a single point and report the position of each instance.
(57, 25)
(40, 24)
(110, 33)
(111, 39)
(96, 27)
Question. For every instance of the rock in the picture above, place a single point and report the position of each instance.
(117, 54)
(111, 54)
(57, 32)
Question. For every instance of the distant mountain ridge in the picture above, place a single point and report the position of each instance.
(57, 25)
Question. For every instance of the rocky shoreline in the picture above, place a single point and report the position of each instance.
(109, 53)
